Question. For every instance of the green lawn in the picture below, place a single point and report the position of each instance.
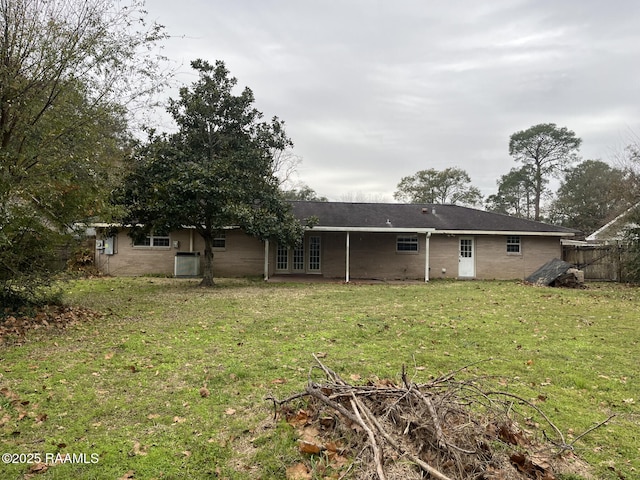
(126, 385)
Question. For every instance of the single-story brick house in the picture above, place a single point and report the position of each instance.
(386, 241)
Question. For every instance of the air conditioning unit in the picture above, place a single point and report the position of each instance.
(187, 264)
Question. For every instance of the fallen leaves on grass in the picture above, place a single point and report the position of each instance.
(299, 471)
(38, 468)
(17, 325)
(19, 410)
(138, 449)
(310, 441)
(41, 417)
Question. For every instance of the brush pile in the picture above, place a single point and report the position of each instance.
(445, 429)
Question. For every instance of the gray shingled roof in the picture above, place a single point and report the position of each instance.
(439, 217)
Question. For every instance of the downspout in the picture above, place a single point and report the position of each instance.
(191, 239)
(347, 261)
(266, 260)
(426, 256)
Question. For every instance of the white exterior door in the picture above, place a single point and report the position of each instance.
(466, 258)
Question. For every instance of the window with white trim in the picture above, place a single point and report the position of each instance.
(161, 241)
(220, 241)
(282, 258)
(314, 254)
(407, 244)
(513, 244)
(298, 258)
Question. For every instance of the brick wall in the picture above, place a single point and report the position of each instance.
(372, 256)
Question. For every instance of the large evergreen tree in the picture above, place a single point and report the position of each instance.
(216, 171)
(547, 149)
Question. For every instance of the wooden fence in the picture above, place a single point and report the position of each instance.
(599, 262)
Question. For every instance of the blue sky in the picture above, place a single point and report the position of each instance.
(372, 91)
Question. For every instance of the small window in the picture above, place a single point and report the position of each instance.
(161, 241)
(513, 244)
(407, 243)
(153, 241)
(220, 241)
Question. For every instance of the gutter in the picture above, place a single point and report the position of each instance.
(504, 232)
(372, 229)
(434, 231)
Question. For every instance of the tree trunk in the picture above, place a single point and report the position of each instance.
(538, 196)
(207, 267)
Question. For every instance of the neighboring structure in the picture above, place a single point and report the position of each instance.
(614, 231)
(356, 240)
(602, 255)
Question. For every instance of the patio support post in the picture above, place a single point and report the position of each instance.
(347, 261)
(426, 256)
(266, 260)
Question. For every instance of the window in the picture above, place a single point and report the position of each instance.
(220, 240)
(292, 260)
(407, 244)
(282, 258)
(314, 254)
(153, 241)
(513, 244)
(298, 258)
(466, 248)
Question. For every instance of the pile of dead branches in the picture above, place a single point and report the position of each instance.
(445, 429)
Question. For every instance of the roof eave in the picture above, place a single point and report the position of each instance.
(505, 232)
(326, 228)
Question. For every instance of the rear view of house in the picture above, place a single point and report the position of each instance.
(356, 241)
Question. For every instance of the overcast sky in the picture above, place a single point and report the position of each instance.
(372, 91)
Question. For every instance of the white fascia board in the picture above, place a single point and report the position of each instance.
(596, 234)
(504, 232)
(120, 225)
(371, 229)
(191, 227)
(103, 225)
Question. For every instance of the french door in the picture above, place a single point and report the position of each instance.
(299, 259)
